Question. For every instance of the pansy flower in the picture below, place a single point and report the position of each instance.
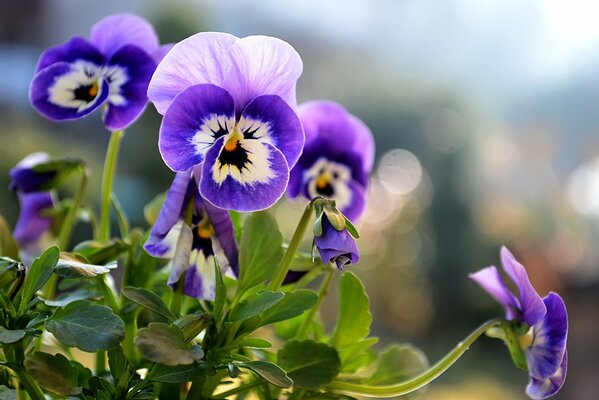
(337, 247)
(546, 321)
(337, 157)
(229, 105)
(112, 68)
(194, 249)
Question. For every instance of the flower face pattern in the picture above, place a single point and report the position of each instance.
(337, 157)
(544, 345)
(194, 249)
(232, 112)
(113, 69)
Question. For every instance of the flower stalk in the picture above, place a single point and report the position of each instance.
(324, 289)
(107, 182)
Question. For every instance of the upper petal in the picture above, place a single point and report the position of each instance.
(490, 280)
(32, 224)
(112, 32)
(75, 49)
(531, 304)
(539, 389)
(201, 58)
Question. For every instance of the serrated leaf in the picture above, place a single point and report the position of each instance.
(54, 373)
(293, 304)
(271, 372)
(100, 251)
(254, 305)
(152, 209)
(148, 300)
(72, 266)
(37, 275)
(260, 250)
(309, 364)
(166, 345)
(10, 336)
(354, 317)
(87, 326)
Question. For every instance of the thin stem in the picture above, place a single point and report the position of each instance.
(100, 362)
(107, 181)
(296, 240)
(30, 386)
(309, 276)
(402, 388)
(324, 288)
(240, 389)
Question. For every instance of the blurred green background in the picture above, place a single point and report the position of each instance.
(485, 116)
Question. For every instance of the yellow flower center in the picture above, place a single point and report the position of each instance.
(526, 340)
(323, 180)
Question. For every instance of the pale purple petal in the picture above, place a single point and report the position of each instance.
(225, 234)
(161, 52)
(181, 258)
(490, 280)
(539, 389)
(197, 117)
(337, 247)
(24, 179)
(531, 304)
(201, 58)
(270, 119)
(115, 31)
(194, 284)
(128, 73)
(32, 224)
(549, 339)
(75, 49)
(258, 183)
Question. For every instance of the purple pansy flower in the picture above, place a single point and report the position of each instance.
(193, 249)
(544, 345)
(113, 68)
(337, 157)
(228, 104)
(335, 246)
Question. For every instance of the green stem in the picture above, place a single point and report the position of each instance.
(240, 389)
(411, 385)
(30, 386)
(321, 295)
(100, 362)
(310, 276)
(296, 240)
(112, 155)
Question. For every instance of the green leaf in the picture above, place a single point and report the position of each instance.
(152, 209)
(254, 343)
(87, 326)
(260, 250)
(54, 373)
(269, 371)
(148, 300)
(254, 305)
(334, 216)
(179, 373)
(100, 251)
(354, 319)
(37, 275)
(7, 394)
(8, 244)
(9, 270)
(293, 304)
(192, 324)
(309, 364)
(7, 336)
(351, 228)
(357, 355)
(166, 344)
(118, 364)
(220, 295)
(69, 297)
(73, 266)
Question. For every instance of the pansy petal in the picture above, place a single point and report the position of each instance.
(197, 117)
(364, 143)
(128, 73)
(539, 389)
(74, 50)
(180, 262)
(164, 246)
(203, 57)
(24, 179)
(31, 224)
(549, 339)
(490, 280)
(252, 179)
(67, 91)
(263, 65)
(531, 304)
(161, 52)
(115, 31)
(337, 247)
(225, 234)
(357, 201)
(271, 120)
(296, 181)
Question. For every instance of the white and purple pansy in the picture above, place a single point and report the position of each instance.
(233, 113)
(112, 68)
(194, 249)
(544, 344)
(337, 158)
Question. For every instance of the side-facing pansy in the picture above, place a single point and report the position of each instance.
(112, 68)
(229, 104)
(545, 323)
(194, 249)
(337, 157)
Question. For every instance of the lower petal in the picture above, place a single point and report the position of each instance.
(200, 281)
(180, 262)
(251, 179)
(539, 389)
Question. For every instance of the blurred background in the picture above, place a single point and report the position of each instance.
(485, 116)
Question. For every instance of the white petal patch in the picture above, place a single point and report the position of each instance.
(257, 168)
(337, 176)
(205, 267)
(116, 77)
(212, 128)
(255, 129)
(83, 74)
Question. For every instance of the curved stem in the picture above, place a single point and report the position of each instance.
(239, 389)
(69, 221)
(30, 386)
(419, 381)
(321, 295)
(112, 155)
(296, 240)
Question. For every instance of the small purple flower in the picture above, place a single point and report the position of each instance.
(337, 157)
(193, 249)
(228, 104)
(544, 345)
(113, 68)
(335, 246)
